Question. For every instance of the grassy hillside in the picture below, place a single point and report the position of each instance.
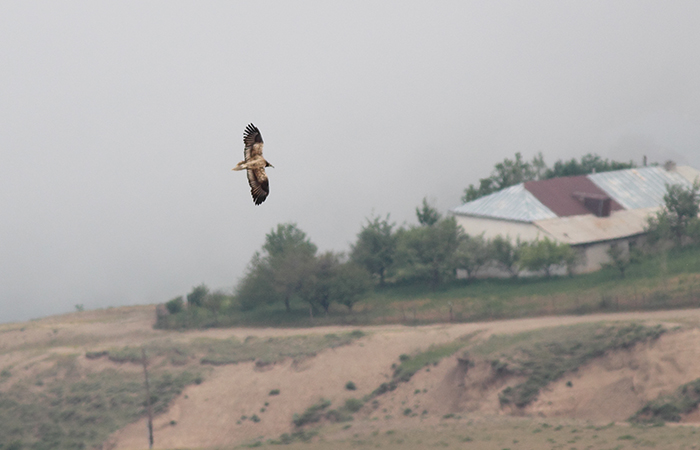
(661, 281)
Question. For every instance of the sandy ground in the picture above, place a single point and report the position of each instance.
(208, 414)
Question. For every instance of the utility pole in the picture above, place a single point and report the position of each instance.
(148, 398)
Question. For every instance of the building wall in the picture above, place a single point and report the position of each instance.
(494, 227)
(595, 255)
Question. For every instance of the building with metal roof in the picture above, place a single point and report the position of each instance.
(589, 212)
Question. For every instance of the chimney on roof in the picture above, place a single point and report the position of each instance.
(599, 205)
(644, 161)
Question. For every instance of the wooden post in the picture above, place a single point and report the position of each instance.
(148, 398)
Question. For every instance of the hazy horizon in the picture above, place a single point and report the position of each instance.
(120, 123)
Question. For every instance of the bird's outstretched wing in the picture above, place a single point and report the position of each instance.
(253, 142)
(259, 186)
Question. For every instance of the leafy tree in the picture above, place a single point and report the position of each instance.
(256, 288)
(175, 305)
(216, 301)
(350, 284)
(589, 163)
(196, 297)
(321, 280)
(375, 248)
(473, 253)
(506, 254)
(510, 172)
(679, 217)
(619, 258)
(544, 255)
(428, 251)
(427, 214)
(281, 270)
(337, 281)
(506, 173)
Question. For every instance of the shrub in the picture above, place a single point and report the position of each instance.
(350, 386)
(175, 305)
(353, 405)
(312, 413)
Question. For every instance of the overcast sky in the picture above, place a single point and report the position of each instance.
(120, 123)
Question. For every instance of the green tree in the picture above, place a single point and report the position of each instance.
(281, 270)
(427, 252)
(590, 163)
(256, 288)
(196, 297)
(318, 288)
(375, 247)
(507, 173)
(175, 305)
(473, 254)
(350, 284)
(545, 255)
(427, 214)
(619, 258)
(506, 254)
(678, 219)
(510, 172)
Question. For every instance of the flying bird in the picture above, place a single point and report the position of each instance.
(254, 164)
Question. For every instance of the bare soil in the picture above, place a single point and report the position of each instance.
(209, 414)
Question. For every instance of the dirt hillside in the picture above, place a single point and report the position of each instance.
(209, 414)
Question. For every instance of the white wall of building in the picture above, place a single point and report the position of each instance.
(494, 227)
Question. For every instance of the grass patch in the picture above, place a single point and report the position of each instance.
(73, 410)
(410, 365)
(313, 413)
(669, 408)
(269, 351)
(544, 356)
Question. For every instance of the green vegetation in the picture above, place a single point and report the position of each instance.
(511, 172)
(313, 413)
(415, 268)
(544, 356)
(68, 407)
(432, 356)
(69, 410)
(678, 221)
(664, 280)
(496, 433)
(669, 408)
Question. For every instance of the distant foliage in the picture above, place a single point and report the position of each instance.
(175, 305)
(375, 248)
(678, 221)
(427, 252)
(511, 172)
(545, 255)
(473, 254)
(196, 297)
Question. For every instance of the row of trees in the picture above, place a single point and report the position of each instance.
(437, 248)
(510, 172)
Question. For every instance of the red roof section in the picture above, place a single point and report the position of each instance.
(563, 195)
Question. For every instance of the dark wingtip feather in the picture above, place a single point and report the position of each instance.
(252, 130)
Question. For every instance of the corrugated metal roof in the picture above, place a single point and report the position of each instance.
(637, 188)
(575, 230)
(512, 203)
(689, 173)
(560, 194)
